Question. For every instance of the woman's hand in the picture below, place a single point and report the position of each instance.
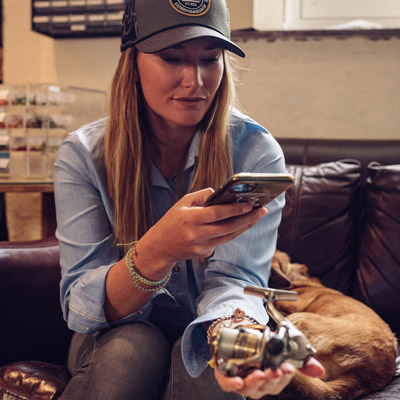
(190, 231)
(261, 383)
(187, 231)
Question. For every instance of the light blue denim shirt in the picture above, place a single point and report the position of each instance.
(194, 294)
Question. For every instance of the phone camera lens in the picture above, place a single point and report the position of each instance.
(243, 187)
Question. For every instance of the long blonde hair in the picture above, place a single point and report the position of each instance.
(126, 148)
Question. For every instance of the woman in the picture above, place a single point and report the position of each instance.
(146, 268)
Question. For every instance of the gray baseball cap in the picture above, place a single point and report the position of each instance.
(154, 25)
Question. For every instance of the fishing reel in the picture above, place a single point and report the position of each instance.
(238, 351)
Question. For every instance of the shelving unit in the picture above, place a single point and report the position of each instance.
(77, 18)
(34, 121)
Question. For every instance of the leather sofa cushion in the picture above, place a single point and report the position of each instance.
(318, 223)
(378, 275)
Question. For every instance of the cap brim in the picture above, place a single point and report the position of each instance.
(172, 37)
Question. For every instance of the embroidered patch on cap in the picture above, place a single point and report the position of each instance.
(193, 8)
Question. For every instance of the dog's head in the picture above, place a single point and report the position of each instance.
(283, 272)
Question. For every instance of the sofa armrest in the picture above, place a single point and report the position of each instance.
(32, 380)
(30, 311)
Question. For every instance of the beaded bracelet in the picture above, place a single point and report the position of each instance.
(138, 279)
(149, 289)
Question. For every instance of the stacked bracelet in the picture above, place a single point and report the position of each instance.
(142, 283)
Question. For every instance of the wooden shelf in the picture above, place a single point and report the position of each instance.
(77, 19)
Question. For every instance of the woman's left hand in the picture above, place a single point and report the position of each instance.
(261, 383)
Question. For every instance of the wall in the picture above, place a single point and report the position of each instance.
(296, 88)
(320, 88)
(326, 88)
(32, 57)
(29, 57)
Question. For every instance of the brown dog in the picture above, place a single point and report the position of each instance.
(355, 346)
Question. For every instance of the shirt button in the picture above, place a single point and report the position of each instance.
(140, 312)
(176, 268)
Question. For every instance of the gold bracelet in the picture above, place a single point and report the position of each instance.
(237, 318)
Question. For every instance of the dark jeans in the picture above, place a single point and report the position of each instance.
(135, 362)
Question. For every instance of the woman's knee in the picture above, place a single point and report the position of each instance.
(129, 361)
(138, 344)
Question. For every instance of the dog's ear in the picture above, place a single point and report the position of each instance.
(280, 260)
(283, 272)
(278, 280)
(279, 263)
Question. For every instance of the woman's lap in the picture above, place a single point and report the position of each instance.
(134, 362)
(126, 362)
(181, 386)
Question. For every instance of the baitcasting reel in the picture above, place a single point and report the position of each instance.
(240, 350)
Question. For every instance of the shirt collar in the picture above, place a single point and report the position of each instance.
(158, 180)
(193, 150)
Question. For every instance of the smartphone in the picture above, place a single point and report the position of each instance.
(255, 188)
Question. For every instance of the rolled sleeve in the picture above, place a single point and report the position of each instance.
(85, 234)
(224, 284)
(245, 261)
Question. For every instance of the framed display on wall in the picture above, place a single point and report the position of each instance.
(77, 18)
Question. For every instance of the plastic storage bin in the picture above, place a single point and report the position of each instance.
(34, 121)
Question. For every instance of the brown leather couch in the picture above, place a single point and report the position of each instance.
(32, 327)
(342, 219)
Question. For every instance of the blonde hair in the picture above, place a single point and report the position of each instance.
(126, 144)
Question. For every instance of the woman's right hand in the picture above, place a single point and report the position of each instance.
(187, 231)
(190, 231)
